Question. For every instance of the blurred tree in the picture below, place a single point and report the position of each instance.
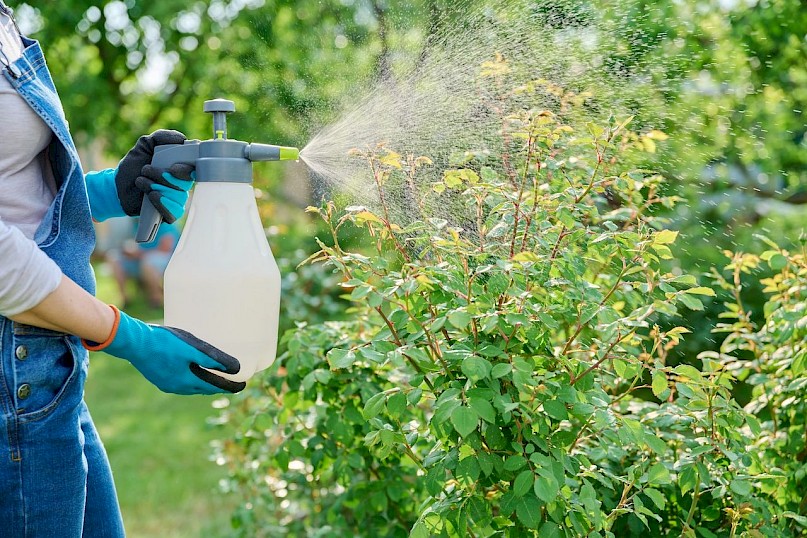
(128, 67)
(730, 78)
(735, 73)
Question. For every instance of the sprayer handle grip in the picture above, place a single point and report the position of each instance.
(150, 220)
(164, 156)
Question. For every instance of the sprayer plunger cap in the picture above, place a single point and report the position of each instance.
(219, 105)
(289, 154)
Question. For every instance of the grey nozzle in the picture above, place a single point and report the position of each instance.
(219, 108)
(262, 152)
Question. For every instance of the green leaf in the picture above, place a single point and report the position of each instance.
(483, 408)
(546, 487)
(688, 479)
(501, 370)
(655, 495)
(658, 474)
(690, 302)
(340, 358)
(464, 420)
(479, 510)
(476, 367)
(514, 462)
(656, 444)
(688, 371)
(372, 355)
(799, 364)
(753, 424)
(551, 530)
(419, 531)
(396, 404)
(487, 462)
(444, 408)
(741, 487)
(459, 319)
(468, 469)
(687, 280)
(523, 483)
(360, 292)
(777, 262)
(556, 409)
(528, 510)
(659, 383)
(374, 405)
(801, 520)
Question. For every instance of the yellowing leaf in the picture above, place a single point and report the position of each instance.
(675, 333)
(701, 290)
(648, 144)
(452, 178)
(678, 330)
(623, 124)
(469, 175)
(665, 237)
(425, 281)
(364, 216)
(663, 251)
(495, 67)
(391, 159)
(655, 134)
(526, 257)
(659, 384)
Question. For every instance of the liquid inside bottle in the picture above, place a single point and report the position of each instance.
(222, 283)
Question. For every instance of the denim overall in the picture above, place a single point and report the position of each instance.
(55, 479)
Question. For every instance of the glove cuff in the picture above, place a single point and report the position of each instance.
(103, 194)
(95, 346)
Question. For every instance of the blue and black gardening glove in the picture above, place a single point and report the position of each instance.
(173, 360)
(119, 191)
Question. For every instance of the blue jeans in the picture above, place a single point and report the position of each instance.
(55, 479)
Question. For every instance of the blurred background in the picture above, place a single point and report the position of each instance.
(729, 90)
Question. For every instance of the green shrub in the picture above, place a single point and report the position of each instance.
(772, 358)
(501, 372)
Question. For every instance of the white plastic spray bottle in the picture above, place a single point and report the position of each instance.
(222, 283)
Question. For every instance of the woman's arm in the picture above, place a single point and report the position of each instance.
(71, 309)
(173, 360)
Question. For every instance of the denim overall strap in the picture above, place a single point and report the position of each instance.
(66, 233)
(5, 9)
(54, 473)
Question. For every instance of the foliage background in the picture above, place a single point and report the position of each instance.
(733, 110)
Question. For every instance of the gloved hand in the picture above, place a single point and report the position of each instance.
(172, 359)
(118, 192)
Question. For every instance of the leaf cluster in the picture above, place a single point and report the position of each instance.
(501, 370)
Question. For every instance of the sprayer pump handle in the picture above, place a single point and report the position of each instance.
(219, 108)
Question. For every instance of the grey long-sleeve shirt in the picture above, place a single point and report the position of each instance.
(27, 275)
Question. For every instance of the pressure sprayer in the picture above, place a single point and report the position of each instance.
(222, 283)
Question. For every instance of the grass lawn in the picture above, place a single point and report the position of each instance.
(158, 445)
